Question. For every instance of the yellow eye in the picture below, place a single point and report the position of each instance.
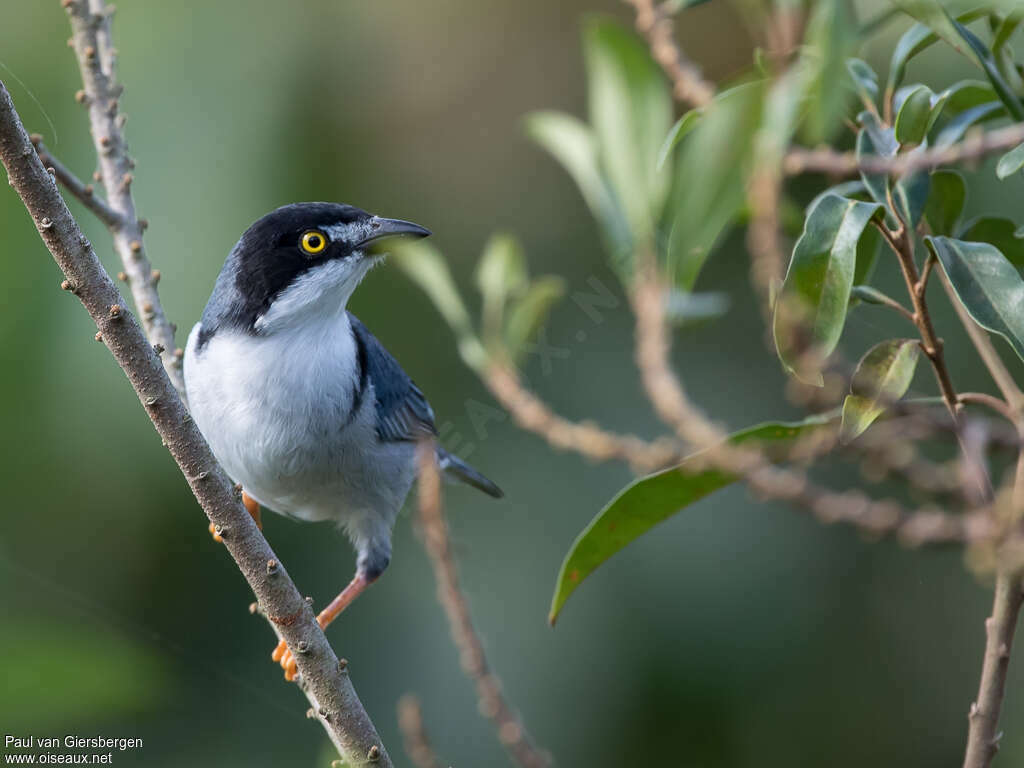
(313, 242)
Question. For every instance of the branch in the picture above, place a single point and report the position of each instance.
(587, 439)
(492, 703)
(983, 718)
(688, 85)
(340, 710)
(84, 192)
(90, 25)
(414, 734)
(977, 144)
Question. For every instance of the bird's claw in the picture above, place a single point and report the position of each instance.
(284, 657)
(216, 536)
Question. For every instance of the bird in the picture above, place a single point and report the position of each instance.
(299, 402)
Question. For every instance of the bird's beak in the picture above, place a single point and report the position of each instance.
(381, 229)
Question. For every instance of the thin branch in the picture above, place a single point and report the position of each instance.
(986, 350)
(587, 439)
(340, 710)
(983, 718)
(84, 192)
(989, 401)
(414, 734)
(977, 144)
(688, 85)
(90, 25)
(492, 703)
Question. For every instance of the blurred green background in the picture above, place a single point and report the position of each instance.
(738, 634)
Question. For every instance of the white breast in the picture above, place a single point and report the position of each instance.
(277, 412)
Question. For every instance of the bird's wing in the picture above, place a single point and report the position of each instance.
(403, 413)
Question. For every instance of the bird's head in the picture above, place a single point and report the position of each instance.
(299, 261)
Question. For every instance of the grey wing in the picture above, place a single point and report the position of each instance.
(403, 413)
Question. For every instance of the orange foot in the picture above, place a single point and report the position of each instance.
(284, 657)
(252, 507)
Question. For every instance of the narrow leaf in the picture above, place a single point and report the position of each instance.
(882, 377)
(529, 313)
(680, 129)
(501, 273)
(955, 129)
(650, 500)
(425, 266)
(987, 285)
(1011, 162)
(945, 202)
(811, 309)
(865, 80)
(573, 145)
(912, 120)
(1002, 233)
(631, 112)
(709, 187)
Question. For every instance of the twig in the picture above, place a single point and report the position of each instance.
(341, 713)
(688, 85)
(492, 703)
(983, 719)
(532, 414)
(90, 25)
(986, 350)
(414, 734)
(989, 401)
(84, 192)
(977, 144)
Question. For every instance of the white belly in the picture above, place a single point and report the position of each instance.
(277, 413)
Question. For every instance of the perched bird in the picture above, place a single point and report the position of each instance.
(298, 400)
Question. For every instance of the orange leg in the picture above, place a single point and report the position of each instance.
(354, 589)
(252, 507)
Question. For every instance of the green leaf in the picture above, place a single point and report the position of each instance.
(710, 179)
(882, 377)
(688, 309)
(945, 202)
(987, 285)
(875, 139)
(969, 93)
(573, 145)
(868, 248)
(1011, 162)
(650, 500)
(955, 129)
(631, 112)
(864, 80)
(811, 308)
(843, 189)
(679, 131)
(1002, 233)
(984, 58)
(914, 40)
(910, 194)
(830, 40)
(674, 6)
(501, 273)
(425, 266)
(912, 120)
(869, 295)
(938, 19)
(529, 313)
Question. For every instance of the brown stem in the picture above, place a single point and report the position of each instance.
(82, 191)
(90, 26)
(977, 144)
(414, 733)
(983, 719)
(340, 710)
(492, 702)
(688, 85)
(989, 401)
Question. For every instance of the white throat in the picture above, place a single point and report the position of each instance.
(321, 292)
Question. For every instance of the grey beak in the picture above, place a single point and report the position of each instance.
(387, 228)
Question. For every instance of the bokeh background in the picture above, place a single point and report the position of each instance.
(737, 634)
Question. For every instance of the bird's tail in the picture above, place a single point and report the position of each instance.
(459, 469)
